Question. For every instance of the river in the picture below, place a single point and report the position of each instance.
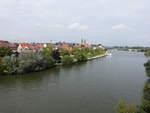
(91, 87)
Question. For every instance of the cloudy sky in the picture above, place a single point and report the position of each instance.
(109, 22)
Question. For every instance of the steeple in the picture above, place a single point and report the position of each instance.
(82, 39)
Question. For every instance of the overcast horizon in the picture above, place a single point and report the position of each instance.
(108, 22)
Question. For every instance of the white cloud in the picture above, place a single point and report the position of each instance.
(120, 27)
(78, 26)
(59, 26)
(73, 26)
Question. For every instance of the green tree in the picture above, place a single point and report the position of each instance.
(1, 67)
(30, 62)
(9, 65)
(64, 52)
(147, 52)
(5, 51)
(67, 60)
(81, 57)
(145, 107)
(26, 62)
(47, 51)
(147, 68)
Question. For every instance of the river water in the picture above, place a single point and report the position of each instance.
(91, 87)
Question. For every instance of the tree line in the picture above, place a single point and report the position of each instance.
(37, 60)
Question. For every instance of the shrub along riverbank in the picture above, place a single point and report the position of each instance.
(147, 53)
(123, 107)
(144, 107)
(32, 61)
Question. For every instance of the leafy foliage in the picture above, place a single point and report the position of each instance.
(31, 61)
(145, 107)
(81, 57)
(5, 51)
(26, 62)
(64, 52)
(67, 60)
(147, 68)
(9, 64)
(56, 56)
(79, 54)
(1, 68)
(88, 52)
(47, 51)
(147, 52)
(123, 107)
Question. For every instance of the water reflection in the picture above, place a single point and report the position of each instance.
(51, 75)
(74, 66)
(29, 79)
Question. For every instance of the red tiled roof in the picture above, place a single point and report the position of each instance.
(7, 44)
(25, 45)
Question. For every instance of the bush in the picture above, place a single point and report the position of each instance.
(147, 68)
(48, 61)
(47, 51)
(123, 107)
(88, 52)
(30, 62)
(147, 52)
(56, 55)
(146, 98)
(81, 57)
(67, 60)
(64, 52)
(1, 67)
(5, 51)
(9, 64)
(26, 62)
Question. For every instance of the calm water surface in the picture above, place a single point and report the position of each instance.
(91, 87)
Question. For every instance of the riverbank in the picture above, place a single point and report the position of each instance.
(31, 61)
(98, 56)
(144, 106)
(91, 58)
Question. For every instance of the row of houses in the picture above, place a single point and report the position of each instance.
(13, 46)
(68, 46)
(36, 46)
